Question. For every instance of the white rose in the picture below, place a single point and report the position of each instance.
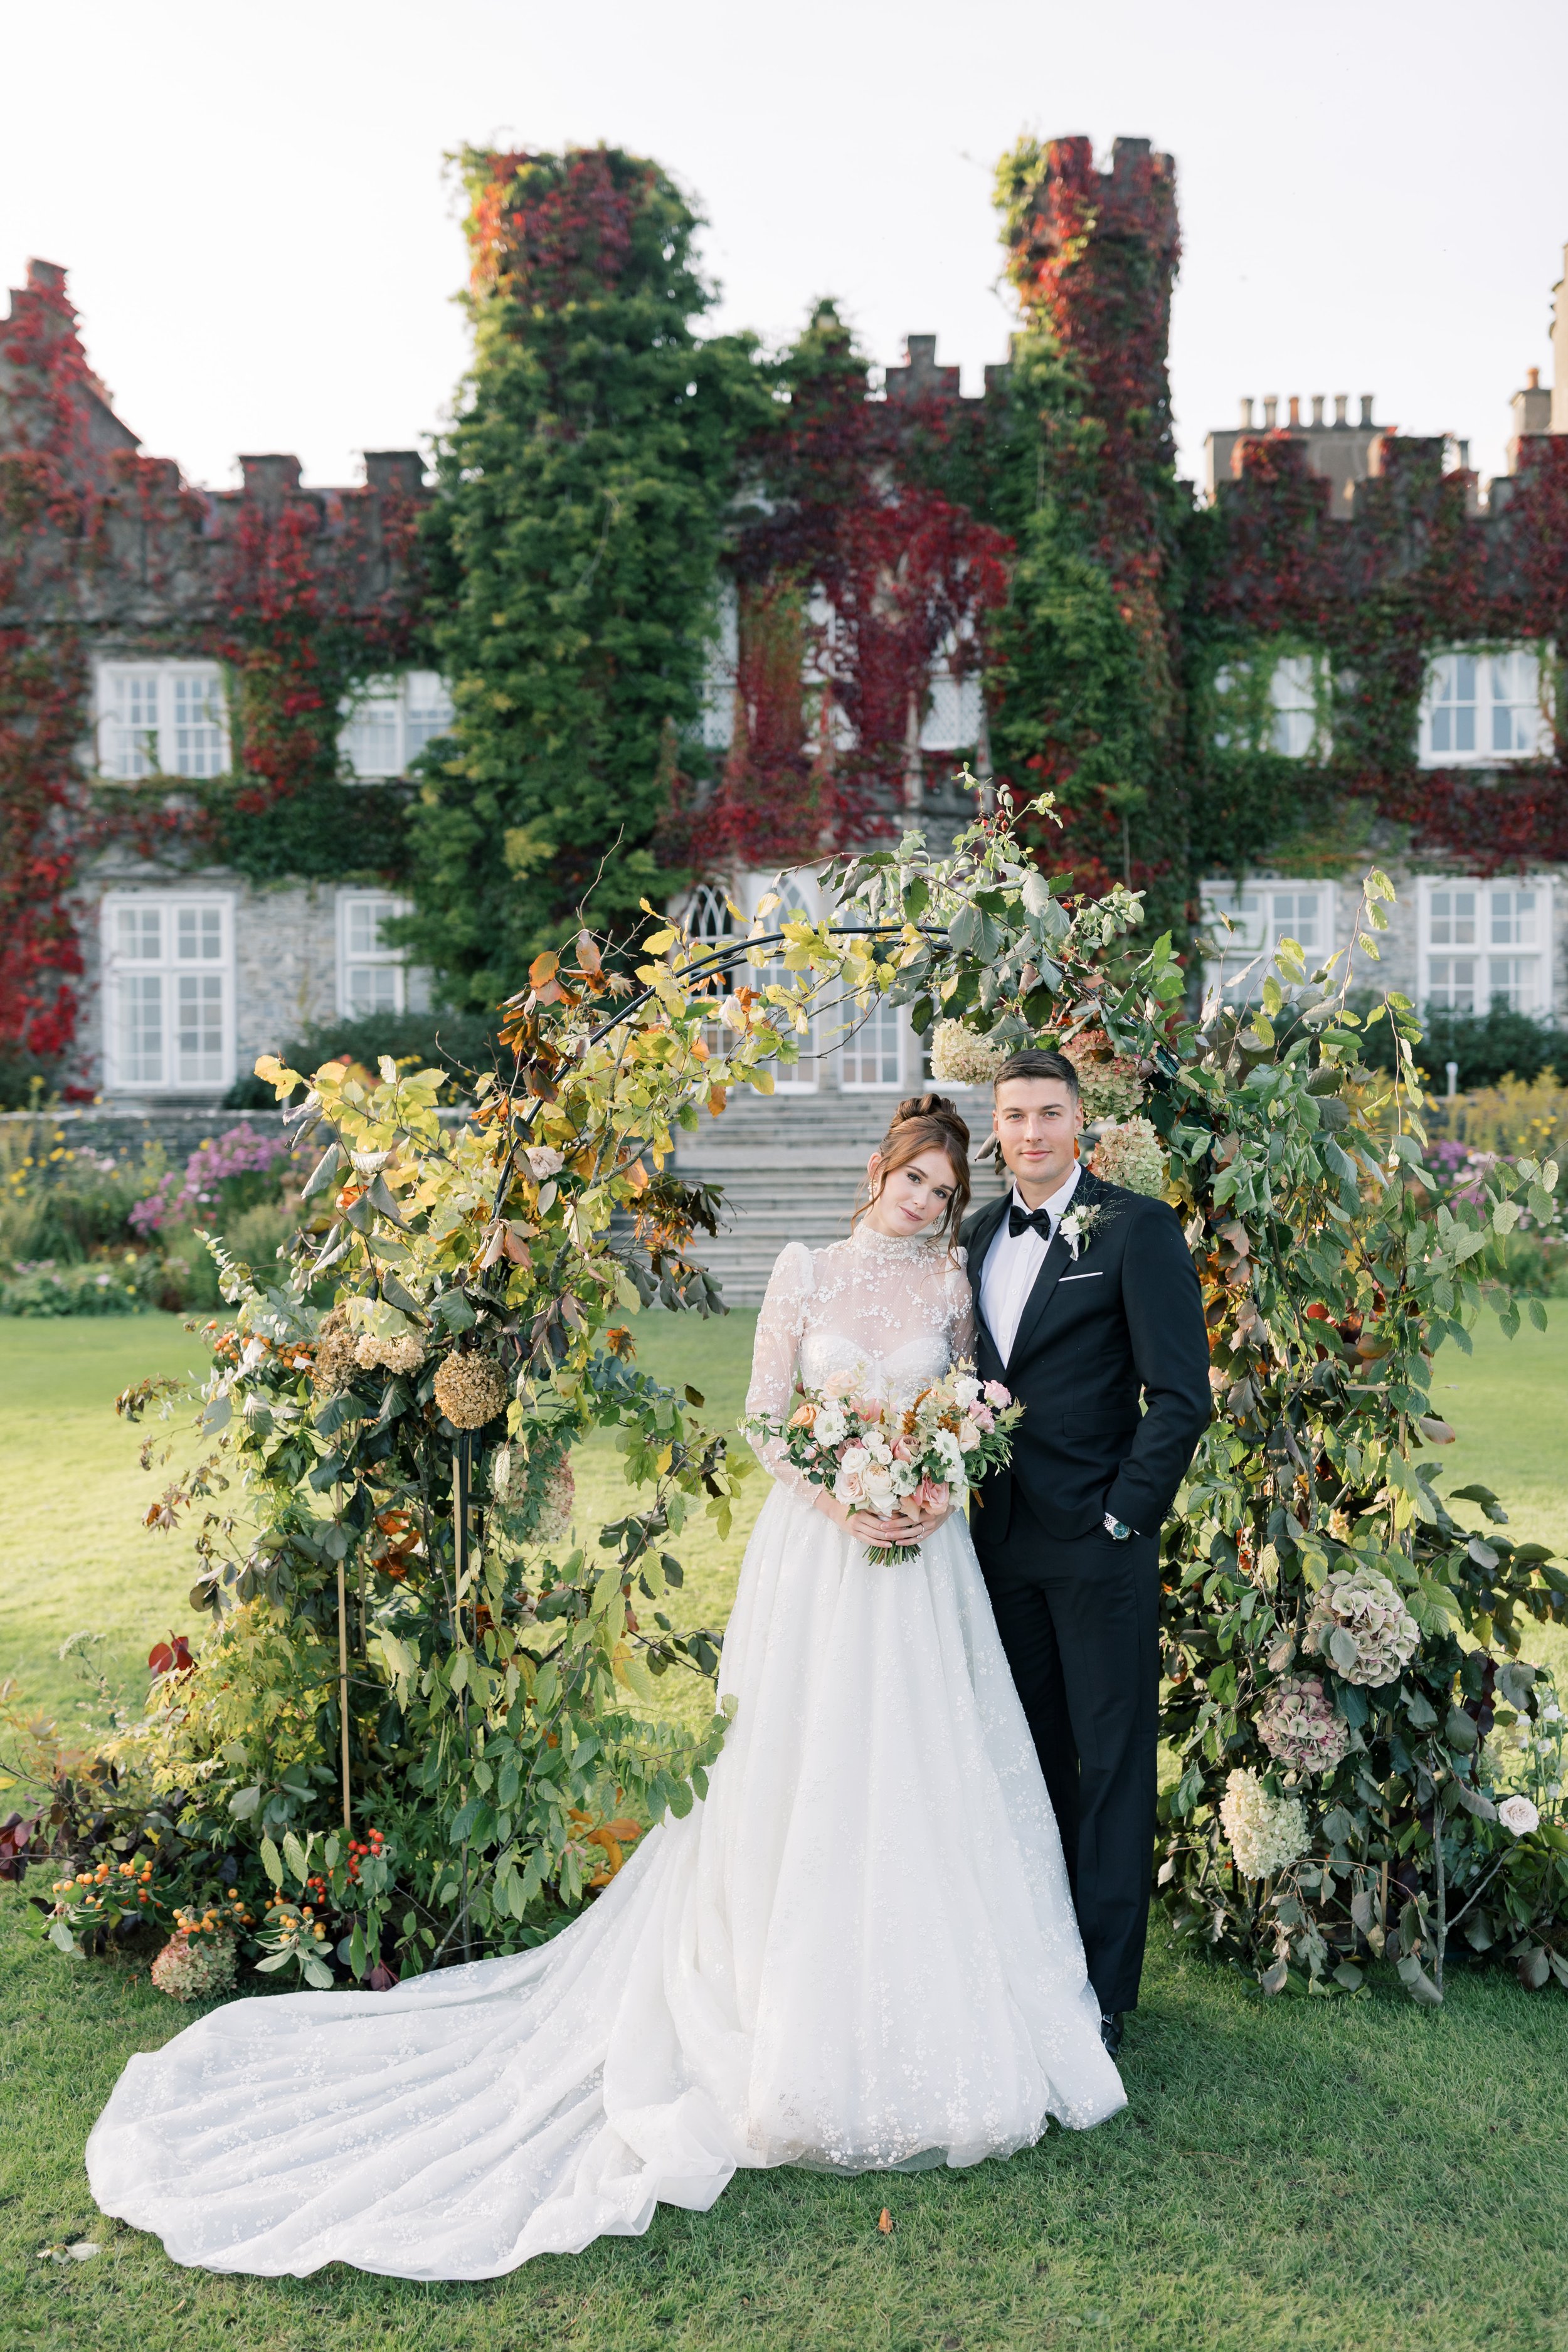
(829, 1427)
(1518, 1814)
(880, 1490)
(847, 1487)
(855, 1459)
(879, 1450)
(964, 1392)
(968, 1436)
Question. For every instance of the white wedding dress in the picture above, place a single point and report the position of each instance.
(858, 1954)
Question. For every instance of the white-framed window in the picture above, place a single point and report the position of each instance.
(798, 895)
(1260, 914)
(1292, 723)
(373, 975)
(872, 1056)
(168, 963)
(1486, 944)
(952, 714)
(721, 671)
(161, 718)
(1481, 707)
(389, 721)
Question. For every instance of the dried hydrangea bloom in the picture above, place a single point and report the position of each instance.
(1266, 1833)
(1108, 1082)
(404, 1352)
(533, 1499)
(471, 1390)
(1130, 1153)
(961, 1056)
(1300, 1726)
(1361, 1625)
(334, 1365)
(189, 1969)
(555, 1509)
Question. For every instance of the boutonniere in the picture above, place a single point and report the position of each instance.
(1081, 1225)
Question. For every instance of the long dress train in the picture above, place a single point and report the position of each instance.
(860, 1953)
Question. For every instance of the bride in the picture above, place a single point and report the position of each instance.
(858, 1954)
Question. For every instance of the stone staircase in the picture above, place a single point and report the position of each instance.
(789, 1165)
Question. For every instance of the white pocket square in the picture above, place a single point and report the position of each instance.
(1081, 1277)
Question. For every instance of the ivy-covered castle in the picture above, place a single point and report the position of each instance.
(669, 618)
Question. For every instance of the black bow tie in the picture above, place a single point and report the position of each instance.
(1029, 1221)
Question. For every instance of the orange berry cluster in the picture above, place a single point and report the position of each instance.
(216, 1920)
(140, 1873)
(303, 1921)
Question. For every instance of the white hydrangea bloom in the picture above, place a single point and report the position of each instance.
(1266, 1833)
(962, 1058)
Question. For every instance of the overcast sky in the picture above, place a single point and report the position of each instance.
(264, 245)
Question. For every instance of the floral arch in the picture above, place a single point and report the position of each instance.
(410, 1638)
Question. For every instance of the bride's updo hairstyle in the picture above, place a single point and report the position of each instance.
(923, 1123)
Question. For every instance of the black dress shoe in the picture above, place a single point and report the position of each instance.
(1111, 2034)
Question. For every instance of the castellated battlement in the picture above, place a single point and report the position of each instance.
(162, 554)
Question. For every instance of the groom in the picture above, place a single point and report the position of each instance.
(1090, 1310)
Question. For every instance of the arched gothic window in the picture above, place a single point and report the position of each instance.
(796, 1078)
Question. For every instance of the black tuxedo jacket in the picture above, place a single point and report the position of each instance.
(1121, 1325)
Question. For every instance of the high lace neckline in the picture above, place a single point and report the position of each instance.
(894, 1249)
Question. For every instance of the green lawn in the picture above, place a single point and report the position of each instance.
(1338, 2175)
(77, 1559)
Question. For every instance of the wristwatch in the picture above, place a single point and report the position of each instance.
(1116, 1529)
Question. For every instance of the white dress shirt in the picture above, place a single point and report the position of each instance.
(1011, 1263)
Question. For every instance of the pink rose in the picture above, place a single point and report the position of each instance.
(982, 1417)
(928, 1496)
(902, 1450)
(997, 1394)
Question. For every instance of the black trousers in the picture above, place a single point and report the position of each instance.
(1079, 1623)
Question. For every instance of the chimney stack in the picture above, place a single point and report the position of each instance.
(1247, 415)
(1270, 411)
(1366, 408)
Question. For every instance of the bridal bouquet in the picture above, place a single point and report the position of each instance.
(898, 1461)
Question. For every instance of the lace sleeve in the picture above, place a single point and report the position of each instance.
(774, 1353)
(961, 1307)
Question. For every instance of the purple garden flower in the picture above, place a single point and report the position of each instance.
(178, 1199)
